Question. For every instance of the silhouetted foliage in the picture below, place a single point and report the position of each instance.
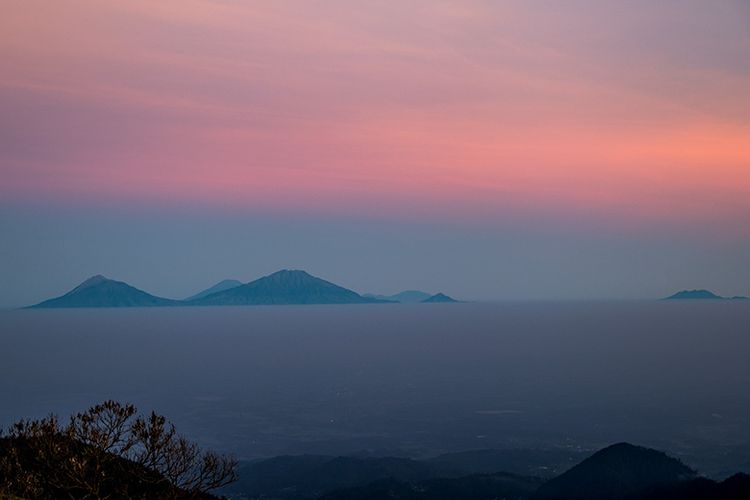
(108, 451)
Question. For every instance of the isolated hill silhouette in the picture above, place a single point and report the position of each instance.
(617, 472)
(694, 295)
(99, 291)
(439, 297)
(285, 287)
(701, 295)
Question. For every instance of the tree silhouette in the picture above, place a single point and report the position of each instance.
(108, 451)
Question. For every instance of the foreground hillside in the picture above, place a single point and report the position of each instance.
(109, 451)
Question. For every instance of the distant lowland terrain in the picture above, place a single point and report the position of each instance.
(285, 287)
(105, 453)
(619, 472)
(392, 389)
(701, 295)
(112, 451)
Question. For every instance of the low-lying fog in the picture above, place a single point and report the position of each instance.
(397, 379)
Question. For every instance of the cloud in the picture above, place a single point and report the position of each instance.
(634, 109)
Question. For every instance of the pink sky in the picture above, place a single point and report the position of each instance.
(636, 109)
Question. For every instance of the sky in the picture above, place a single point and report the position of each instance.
(492, 150)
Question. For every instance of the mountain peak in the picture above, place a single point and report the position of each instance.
(291, 273)
(694, 295)
(91, 282)
(293, 277)
(616, 472)
(287, 286)
(99, 291)
(439, 297)
(94, 280)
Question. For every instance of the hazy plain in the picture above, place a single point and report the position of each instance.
(399, 379)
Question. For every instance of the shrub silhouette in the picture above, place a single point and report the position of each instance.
(108, 451)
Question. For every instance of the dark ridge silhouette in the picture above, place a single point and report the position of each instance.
(736, 487)
(405, 297)
(218, 287)
(694, 295)
(476, 487)
(99, 291)
(512, 487)
(439, 298)
(307, 476)
(285, 287)
(617, 472)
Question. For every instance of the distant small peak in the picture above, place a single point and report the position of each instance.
(694, 294)
(440, 297)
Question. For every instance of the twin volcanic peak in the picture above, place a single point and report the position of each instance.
(285, 287)
(281, 287)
